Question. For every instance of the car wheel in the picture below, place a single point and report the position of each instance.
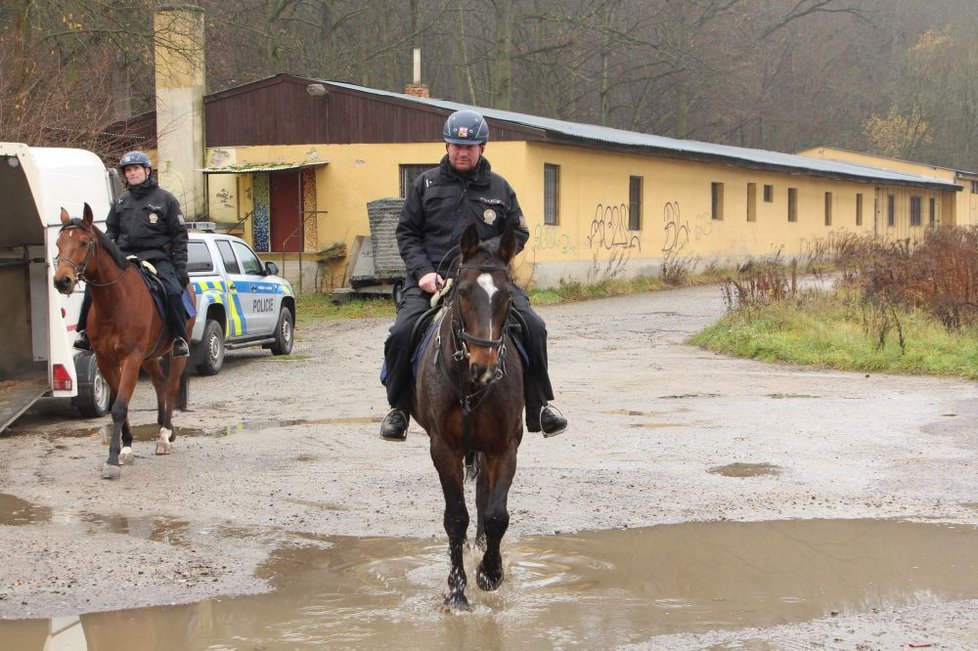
(283, 334)
(209, 353)
(94, 395)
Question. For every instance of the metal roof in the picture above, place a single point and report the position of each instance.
(249, 168)
(573, 132)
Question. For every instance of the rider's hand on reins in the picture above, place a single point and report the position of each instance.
(431, 282)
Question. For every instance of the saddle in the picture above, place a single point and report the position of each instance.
(156, 288)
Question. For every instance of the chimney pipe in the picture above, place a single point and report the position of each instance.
(416, 88)
(178, 43)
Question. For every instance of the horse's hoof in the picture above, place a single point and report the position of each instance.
(110, 471)
(126, 457)
(163, 445)
(457, 602)
(488, 581)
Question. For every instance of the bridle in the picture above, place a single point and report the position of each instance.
(92, 252)
(458, 327)
(470, 400)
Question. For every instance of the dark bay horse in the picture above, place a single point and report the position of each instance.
(126, 330)
(468, 396)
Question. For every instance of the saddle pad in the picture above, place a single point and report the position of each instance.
(156, 289)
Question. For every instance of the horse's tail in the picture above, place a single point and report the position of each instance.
(473, 460)
(183, 392)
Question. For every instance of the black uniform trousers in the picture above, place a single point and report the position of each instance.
(537, 390)
(177, 317)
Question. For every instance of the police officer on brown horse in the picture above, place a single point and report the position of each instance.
(146, 221)
(440, 205)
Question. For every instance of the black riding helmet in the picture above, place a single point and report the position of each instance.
(465, 128)
(135, 158)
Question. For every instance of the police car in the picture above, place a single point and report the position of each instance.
(240, 301)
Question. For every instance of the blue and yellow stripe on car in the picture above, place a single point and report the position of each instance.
(223, 293)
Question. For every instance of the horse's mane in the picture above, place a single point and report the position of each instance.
(103, 240)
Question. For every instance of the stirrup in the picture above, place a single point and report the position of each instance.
(180, 348)
(81, 341)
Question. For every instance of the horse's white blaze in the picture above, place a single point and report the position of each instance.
(489, 287)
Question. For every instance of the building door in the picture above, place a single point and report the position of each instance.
(285, 203)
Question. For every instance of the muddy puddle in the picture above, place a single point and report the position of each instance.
(150, 431)
(588, 590)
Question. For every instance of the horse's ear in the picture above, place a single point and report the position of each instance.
(470, 242)
(87, 215)
(507, 243)
(65, 217)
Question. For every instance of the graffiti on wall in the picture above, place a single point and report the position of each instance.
(609, 230)
(678, 233)
(551, 239)
(611, 242)
(676, 230)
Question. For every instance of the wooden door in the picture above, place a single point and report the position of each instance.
(285, 204)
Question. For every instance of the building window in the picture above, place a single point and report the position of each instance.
(859, 209)
(768, 194)
(792, 204)
(828, 208)
(634, 203)
(932, 216)
(915, 211)
(974, 187)
(890, 210)
(551, 194)
(716, 191)
(752, 202)
(410, 172)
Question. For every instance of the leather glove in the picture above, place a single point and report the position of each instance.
(183, 276)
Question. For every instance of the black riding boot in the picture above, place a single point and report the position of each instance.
(81, 338)
(178, 326)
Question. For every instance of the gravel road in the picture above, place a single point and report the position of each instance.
(278, 449)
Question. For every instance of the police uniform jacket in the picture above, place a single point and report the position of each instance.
(147, 221)
(441, 204)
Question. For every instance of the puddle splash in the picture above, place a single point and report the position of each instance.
(590, 590)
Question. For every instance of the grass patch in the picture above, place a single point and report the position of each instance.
(313, 308)
(829, 331)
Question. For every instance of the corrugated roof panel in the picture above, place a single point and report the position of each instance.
(618, 137)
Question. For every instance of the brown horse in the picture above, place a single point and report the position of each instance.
(126, 330)
(469, 398)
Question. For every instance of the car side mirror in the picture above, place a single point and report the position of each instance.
(271, 269)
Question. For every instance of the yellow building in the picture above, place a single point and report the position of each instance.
(963, 207)
(294, 161)
(290, 163)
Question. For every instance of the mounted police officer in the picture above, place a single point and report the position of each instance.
(146, 221)
(441, 203)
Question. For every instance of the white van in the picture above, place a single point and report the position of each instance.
(38, 324)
